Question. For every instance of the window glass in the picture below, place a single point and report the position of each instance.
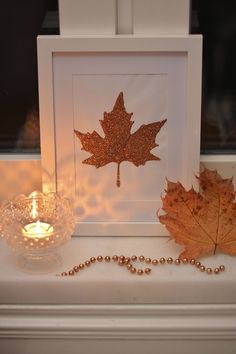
(216, 20)
(20, 23)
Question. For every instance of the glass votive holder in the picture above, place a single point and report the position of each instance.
(35, 227)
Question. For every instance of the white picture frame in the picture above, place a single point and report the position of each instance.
(69, 67)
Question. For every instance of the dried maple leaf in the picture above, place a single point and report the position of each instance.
(119, 144)
(202, 222)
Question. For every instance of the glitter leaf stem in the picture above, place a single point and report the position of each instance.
(118, 175)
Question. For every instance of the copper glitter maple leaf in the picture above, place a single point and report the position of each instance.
(119, 144)
(202, 222)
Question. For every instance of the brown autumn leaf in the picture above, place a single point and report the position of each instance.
(202, 222)
(119, 144)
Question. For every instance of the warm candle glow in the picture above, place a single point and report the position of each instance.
(36, 226)
(37, 230)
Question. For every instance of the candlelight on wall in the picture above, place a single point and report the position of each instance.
(35, 227)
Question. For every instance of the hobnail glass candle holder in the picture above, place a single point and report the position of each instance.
(36, 226)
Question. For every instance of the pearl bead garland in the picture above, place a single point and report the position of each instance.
(128, 263)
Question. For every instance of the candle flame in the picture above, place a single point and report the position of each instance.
(38, 228)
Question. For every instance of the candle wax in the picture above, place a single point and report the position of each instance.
(37, 230)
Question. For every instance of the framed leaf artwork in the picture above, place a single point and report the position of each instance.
(119, 115)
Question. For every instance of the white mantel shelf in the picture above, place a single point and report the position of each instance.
(105, 309)
(111, 284)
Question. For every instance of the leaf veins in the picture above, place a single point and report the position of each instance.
(202, 222)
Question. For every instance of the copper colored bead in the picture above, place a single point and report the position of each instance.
(148, 260)
(162, 260)
(216, 270)
(222, 267)
(87, 263)
(115, 258)
(64, 274)
(147, 270)
(127, 260)
(209, 271)
(121, 258)
(92, 259)
(185, 260)
(177, 261)
(134, 258)
(120, 262)
(155, 261)
(100, 258)
(169, 260)
(142, 258)
(140, 272)
(107, 259)
(133, 270)
(202, 268)
(76, 268)
(129, 266)
(192, 261)
(71, 272)
(81, 266)
(197, 264)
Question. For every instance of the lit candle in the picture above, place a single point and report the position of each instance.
(37, 230)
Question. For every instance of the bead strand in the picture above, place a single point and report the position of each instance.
(128, 263)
